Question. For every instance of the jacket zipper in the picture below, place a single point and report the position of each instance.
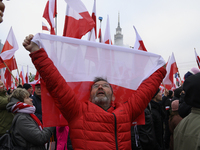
(115, 132)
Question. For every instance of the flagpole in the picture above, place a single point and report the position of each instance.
(100, 19)
(10, 71)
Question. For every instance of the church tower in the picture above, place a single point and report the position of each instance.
(118, 37)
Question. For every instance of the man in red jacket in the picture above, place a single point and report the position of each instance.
(98, 123)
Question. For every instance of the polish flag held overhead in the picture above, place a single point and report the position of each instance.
(197, 58)
(50, 13)
(9, 48)
(27, 75)
(79, 72)
(171, 68)
(138, 42)
(92, 35)
(107, 36)
(77, 20)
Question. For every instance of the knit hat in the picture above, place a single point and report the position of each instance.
(191, 86)
(191, 72)
(177, 92)
(156, 92)
(27, 86)
(175, 105)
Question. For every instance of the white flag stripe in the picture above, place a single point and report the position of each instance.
(68, 55)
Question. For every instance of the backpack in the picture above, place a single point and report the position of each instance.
(6, 142)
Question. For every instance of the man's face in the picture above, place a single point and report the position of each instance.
(1, 86)
(30, 90)
(38, 90)
(2, 7)
(158, 97)
(101, 94)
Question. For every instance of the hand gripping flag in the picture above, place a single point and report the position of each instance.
(114, 62)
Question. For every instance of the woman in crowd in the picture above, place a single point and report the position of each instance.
(28, 131)
(174, 120)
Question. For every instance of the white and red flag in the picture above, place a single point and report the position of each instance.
(8, 50)
(17, 79)
(2, 75)
(79, 72)
(37, 76)
(44, 27)
(139, 44)
(50, 13)
(92, 35)
(171, 68)
(107, 36)
(77, 20)
(197, 58)
(27, 75)
(22, 76)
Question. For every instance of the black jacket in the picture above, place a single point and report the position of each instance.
(158, 118)
(144, 133)
(38, 106)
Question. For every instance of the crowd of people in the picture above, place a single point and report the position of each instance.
(171, 118)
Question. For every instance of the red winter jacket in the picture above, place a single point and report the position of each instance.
(90, 126)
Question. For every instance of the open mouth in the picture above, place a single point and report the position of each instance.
(100, 92)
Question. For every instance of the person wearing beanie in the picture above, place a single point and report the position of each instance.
(187, 132)
(29, 88)
(158, 116)
(174, 120)
(37, 100)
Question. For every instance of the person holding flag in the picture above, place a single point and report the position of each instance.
(98, 122)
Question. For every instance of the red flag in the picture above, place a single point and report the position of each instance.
(197, 58)
(93, 33)
(37, 76)
(8, 79)
(50, 13)
(77, 20)
(171, 68)
(107, 37)
(7, 53)
(139, 42)
(22, 76)
(27, 75)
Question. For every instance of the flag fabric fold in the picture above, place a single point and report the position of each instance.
(77, 20)
(197, 59)
(113, 62)
(44, 27)
(138, 42)
(171, 68)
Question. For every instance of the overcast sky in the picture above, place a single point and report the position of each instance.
(165, 26)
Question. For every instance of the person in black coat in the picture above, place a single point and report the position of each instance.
(143, 136)
(158, 115)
